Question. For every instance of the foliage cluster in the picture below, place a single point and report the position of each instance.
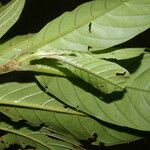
(72, 84)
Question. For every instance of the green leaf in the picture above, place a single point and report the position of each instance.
(20, 41)
(129, 109)
(43, 138)
(103, 75)
(26, 101)
(9, 14)
(89, 27)
(120, 54)
(100, 73)
(95, 25)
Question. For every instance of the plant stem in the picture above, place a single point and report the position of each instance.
(42, 69)
(25, 64)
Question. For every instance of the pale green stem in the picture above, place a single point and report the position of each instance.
(25, 66)
(41, 69)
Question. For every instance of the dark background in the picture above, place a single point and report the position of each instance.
(38, 13)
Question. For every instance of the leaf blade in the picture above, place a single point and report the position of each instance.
(93, 24)
(9, 14)
(39, 139)
(24, 102)
(128, 110)
(100, 73)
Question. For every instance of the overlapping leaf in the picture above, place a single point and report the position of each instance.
(130, 109)
(95, 25)
(25, 101)
(43, 138)
(92, 26)
(9, 14)
(102, 74)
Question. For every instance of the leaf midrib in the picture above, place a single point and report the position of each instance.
(38, 107)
